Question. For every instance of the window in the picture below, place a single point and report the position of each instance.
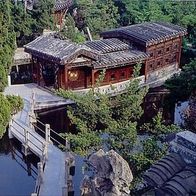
(175, 46)
(167, 49)
(150, 66)
(159, 51)
(122, 75)
(151, 54)
(113, 77)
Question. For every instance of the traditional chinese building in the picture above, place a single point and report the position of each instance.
(63, 64)
(60, 9)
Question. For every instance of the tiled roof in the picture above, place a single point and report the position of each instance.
(57, 50)
(107, 45)
(148, 33)
(120, 58)
(172, 176)
(105, 53)
(62, 4)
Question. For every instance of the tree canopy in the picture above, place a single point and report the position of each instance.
(95, 114)
(184, 84)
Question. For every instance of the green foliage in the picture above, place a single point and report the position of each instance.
(16, 103)
(7, 41)
(71, 32)
(157, 126)
(182, 85)
(177, 12)
(152, 151)
(42, 15)
(22, 23)
(83, 141)
(3, 78)
(5, 113)
(98, 15)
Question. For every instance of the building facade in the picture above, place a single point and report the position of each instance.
(63, 64)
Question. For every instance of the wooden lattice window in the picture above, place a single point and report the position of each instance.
(122, 75)
(175, 46)
(151, 54)
(113, 77)
(159, 51)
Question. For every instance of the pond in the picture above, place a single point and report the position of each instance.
(18, 173)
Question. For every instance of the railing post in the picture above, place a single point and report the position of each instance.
(30, 119)
(10, 135)
(67, 144)
(40, 173)
(34, 194)
(47, 131)
(65, 188)
(26, 144)
(44, 152)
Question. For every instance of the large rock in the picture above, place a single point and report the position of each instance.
(112, 175)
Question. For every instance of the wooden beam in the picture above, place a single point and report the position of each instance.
(93, 77)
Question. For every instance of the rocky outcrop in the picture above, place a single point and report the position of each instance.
(112, 175)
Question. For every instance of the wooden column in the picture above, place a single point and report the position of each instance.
(93, 78)
(86, 78)
(66, 77)
(38, 72)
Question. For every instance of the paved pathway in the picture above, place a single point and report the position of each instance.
(43, 97)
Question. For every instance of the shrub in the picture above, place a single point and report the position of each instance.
(5, 114)
(16, 103)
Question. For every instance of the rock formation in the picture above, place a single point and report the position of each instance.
(112, 175)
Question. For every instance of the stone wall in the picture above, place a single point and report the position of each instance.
(162, 73)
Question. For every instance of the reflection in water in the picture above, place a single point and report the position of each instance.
(18, 173)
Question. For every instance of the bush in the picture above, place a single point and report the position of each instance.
(16, 103)
(3, 78)
(5, 114)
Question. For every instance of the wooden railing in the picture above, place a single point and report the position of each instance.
(48, 133)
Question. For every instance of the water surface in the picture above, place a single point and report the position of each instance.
(17, 173)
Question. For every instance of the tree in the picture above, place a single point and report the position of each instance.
(158, 128)
(42, 14)
(70, 31)
(5, 113)
(22, 23)
(7, 41)
(98, 15)
(95, 114)
(183, 85)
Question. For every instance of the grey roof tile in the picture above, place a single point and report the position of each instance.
(147, 33)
